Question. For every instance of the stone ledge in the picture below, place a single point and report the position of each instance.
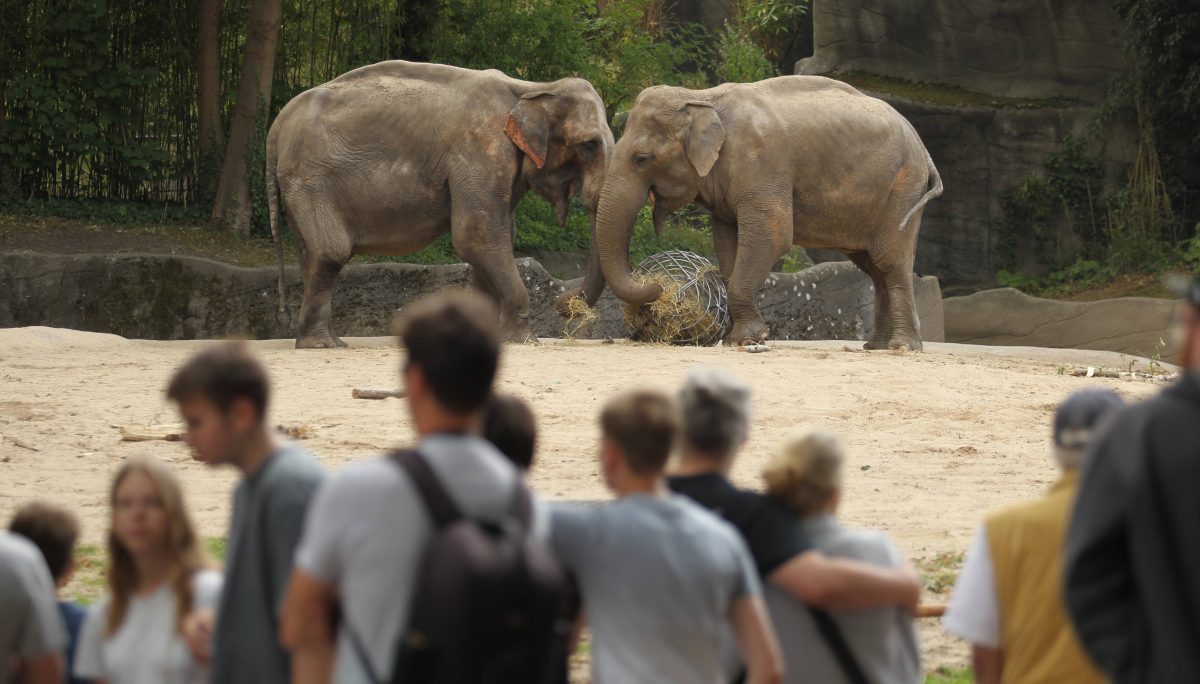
(168, 297)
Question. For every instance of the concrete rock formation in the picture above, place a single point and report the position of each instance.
(1131, 325)
(177, 297)
(1012, 48)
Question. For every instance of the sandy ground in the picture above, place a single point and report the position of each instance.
(935, 439)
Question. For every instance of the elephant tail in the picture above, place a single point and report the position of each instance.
(273, 211)
(935, 190)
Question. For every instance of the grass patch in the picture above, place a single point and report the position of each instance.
(950, 675)
(1087, 280)
(940, 571)
(940, 93)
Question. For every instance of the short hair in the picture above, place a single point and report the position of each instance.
(716, 411)
(643, 424)
(53, 529)
(222, 374)
(805, 471)
(509, 425)
(454, 338)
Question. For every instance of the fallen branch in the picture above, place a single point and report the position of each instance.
(149, 433)
(1117, 373)
(359, 393)
(23, 445)
(928, 610)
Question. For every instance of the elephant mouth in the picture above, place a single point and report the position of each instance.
(563, 207)
(650, 195)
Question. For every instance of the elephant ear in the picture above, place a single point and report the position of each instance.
(705, 136)
(529, 125)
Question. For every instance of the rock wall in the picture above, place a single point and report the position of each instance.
(1013, 48)
(1131, 325)
(176, 297)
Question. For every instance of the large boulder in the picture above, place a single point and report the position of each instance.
(178, 297)
(1015, 48)
(1132, 325)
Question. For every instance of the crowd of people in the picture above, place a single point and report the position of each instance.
(436, 564)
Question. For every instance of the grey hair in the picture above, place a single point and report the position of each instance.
(716, 411)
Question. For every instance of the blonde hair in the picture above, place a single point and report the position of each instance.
(187, 556)
(805, 470)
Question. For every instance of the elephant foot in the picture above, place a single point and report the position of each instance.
(320, 342)
(747, 333)
(912, 344)
(875, 344)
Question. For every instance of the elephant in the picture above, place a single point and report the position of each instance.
(800, 160)
(385, 158)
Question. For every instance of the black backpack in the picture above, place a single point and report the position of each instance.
(490, 605)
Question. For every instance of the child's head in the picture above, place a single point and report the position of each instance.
(222, 394)
(508, 423)
(805, 473)
(54, 530)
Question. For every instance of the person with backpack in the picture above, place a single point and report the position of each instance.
(427, 555)
(662, 579)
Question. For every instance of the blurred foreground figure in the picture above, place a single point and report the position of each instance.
(1008, 600)
(1133, 560)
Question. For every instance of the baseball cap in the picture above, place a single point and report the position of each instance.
(1080, 413)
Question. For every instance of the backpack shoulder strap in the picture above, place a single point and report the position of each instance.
(441, 508)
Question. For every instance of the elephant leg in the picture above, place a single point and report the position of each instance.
(316, 315)
(484, 240)
(883, 320)
(762, 239)
(906, 326)
(725, 244)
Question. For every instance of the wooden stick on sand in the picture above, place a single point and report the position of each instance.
(360, 393)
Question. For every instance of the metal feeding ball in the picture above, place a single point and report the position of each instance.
(693, 308)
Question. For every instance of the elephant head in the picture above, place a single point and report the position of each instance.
(669, 146)
(563, 131)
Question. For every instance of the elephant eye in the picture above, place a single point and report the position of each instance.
(640, 157)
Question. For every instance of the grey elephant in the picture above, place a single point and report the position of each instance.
(385, 158)
(792, 160)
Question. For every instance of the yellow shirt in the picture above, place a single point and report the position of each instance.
(1026, 543)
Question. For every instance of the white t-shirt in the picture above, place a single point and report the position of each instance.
(148, 647)
(367, 529)
(974, 610)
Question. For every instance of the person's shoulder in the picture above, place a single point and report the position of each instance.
(293, 463)
(368, 476)
(707, 521)
(18, 551)
(872, 546)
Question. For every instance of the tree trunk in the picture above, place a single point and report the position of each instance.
(231, 208)
(208, 96)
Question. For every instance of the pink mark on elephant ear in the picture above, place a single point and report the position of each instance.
(513, 130)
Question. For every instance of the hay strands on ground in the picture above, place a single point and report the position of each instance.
(755, 348)
(368, 393)
(1121, 374)
(579, 317)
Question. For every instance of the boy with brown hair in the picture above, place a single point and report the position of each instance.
(661, 577)
(223, 394)
(54, 531)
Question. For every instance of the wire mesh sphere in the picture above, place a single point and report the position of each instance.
(693, 309)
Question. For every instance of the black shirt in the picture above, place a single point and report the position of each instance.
(772, 533)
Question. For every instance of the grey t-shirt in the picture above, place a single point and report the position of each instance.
(368, 528)
(268, 516)
(30, 626)
(883, 640)
(658, 577)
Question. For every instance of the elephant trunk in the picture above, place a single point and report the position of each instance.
(615, 218)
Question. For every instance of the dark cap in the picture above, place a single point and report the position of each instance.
(1187, 287)
(1080, 413)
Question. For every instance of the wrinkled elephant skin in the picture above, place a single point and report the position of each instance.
(385, 158)
(798, 160)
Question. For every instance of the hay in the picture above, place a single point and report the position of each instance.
(692, 308)
(579, 317)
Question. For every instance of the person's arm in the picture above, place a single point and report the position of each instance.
(1100, 594)
(46, 669)
(306, 629)
(286, 515)
(756, 640)
(986, 664)
(843, 584)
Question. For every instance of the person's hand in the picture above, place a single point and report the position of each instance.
(197, 632)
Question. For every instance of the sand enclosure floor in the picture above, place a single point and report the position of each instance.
(934, 439)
